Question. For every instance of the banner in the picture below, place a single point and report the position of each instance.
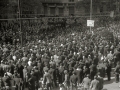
(90, 23)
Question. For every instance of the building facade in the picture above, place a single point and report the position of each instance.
(58, 7)
(9, 8)
(76, 7)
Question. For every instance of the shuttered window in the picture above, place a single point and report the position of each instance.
(71, 10)
(45, 10)
(52, 11)
(61, 11)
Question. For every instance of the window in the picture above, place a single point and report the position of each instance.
(71, 0)
(61, 11)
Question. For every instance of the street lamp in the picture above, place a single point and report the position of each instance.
(19, 18)
(90, 12)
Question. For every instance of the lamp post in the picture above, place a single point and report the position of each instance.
(90, 13)
(19, 18)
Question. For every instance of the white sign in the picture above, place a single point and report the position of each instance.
(90, 23)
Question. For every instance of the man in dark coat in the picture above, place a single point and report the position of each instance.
(18, 82)
(36, 73)
(116, 56)
(95, 60)
(53, 75)
(117, 72)
(6, 80)
(1, 83)
(31, 82)
(108, 71)
(40, 68)
(24, 72)
(92, 71)
(79, 73)
(47, 80)
(73, 81)
(20, 70)
(1, 71)
(26, 78)
(61, 74)
(101, 82)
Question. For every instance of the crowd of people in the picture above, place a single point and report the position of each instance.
(65, 57)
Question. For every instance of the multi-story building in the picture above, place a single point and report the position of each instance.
(76, 7)
(58, 7)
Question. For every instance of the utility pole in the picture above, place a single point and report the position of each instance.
(90, 13)
(19, 18)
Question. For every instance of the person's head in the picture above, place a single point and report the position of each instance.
(65, 72)
(83, 57)
(118, 49)
(95, 77)
(15, 71)
(2, 61)
(46, 71)
(32, 73)
(118, 63)
(60, 85)
(5, 74)
(89, 56)
(61, 64)
(88, 75)
(25, 67)
(98, 74)
(110, 52)
(92, 62)
(73, 72)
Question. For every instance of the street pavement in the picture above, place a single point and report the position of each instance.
(111, 85)
(108, 85)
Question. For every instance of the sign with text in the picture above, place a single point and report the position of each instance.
(90, 23)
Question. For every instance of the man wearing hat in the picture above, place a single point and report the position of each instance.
(1, 83)
(6, 81)
(117, 72)
(31, 82)
(37, 73)
(61, 73)
(47, 79)
(108, 70)
(17, 81)
(20, 70)
(30, 62)
(53, 75)
(116, 56)
(86, 82)
(66, 81)
(73, 81)
(92, 71)
(100, 79)
(24, 72)
(29, 68)
(16, 73)
(94, 84)
(79, 73)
